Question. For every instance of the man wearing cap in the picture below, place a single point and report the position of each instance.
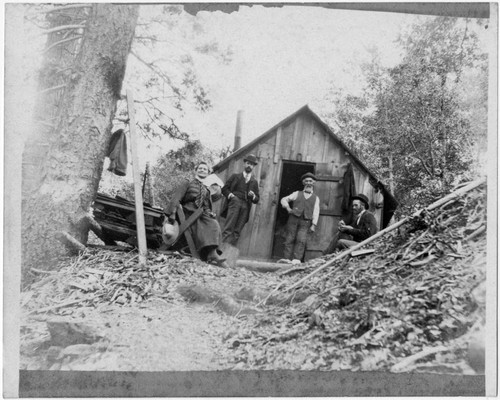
(363, 226)
(302, 218)
(241, 191)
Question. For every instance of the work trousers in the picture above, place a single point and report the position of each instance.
(237, 216)
(335, 242)
(296, 237)
(346, 244)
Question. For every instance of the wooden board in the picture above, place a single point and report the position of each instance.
(187, 233)
(362, 252)
(139, 207)
(265, 211)
(287, 140)
(330, 194)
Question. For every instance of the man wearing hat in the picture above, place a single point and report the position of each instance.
(241, 191)
(302, 218)
(363, 225)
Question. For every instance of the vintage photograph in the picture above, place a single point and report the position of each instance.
(298, 191)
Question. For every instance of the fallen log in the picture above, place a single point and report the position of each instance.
(70, 241)
(260, 266)
(97, 229)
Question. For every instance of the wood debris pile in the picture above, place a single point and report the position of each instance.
(104, 276)
(101, 276)
(409, 306)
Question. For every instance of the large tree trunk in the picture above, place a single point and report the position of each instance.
(61, 183)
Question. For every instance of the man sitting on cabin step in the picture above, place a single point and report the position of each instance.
(303, 218)
(363, 226)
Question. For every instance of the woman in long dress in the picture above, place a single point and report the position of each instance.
(206, 231)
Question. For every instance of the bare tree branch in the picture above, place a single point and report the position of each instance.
(61, 42)
(418, 156)
(150, 66)
(53, 88)
(63, 28)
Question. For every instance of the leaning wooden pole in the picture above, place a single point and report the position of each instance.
(139, 207)
(437, 204)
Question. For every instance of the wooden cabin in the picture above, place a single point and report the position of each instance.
(301, 143)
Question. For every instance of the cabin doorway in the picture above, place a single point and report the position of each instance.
(290, 182)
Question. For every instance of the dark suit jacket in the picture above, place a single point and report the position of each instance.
(367, 227)
(236, 183)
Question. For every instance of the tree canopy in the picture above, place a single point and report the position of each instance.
(414, 123)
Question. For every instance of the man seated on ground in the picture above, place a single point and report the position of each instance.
(194, 195)
(363, 226)
(364, 223)
(303, 218)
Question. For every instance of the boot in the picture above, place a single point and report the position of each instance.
(214, 257)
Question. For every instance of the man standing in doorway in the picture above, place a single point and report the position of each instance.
(364, 223)
(302, 218)
(241, 191)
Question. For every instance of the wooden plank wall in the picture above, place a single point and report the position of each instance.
(261, 238)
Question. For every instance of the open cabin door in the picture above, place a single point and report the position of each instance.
(329, 189)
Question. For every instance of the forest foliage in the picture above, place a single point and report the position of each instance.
(422, 124)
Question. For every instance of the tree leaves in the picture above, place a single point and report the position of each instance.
(412, 124)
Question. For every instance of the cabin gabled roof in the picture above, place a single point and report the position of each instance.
(265, 135)
(305, 109)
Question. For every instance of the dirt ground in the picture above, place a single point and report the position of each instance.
(174, 332)
(151, 337)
